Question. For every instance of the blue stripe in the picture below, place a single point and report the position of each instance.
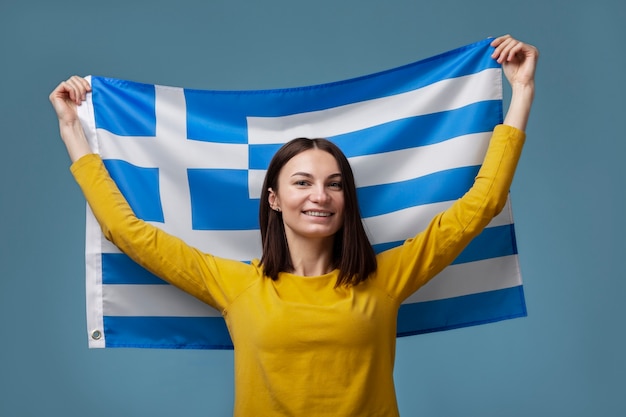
(418, 318)
(118, 268)
(381, 247)
(405, 133)
(220, 116)
(492, 242)
(468, 310)
(220, 200)
(140, 187)
(434, 188)
(421, 130)
(167, 332)
(124, 108)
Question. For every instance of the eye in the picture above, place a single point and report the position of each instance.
(335, 185)
(301, 183)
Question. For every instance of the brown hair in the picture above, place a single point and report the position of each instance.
(352, 254)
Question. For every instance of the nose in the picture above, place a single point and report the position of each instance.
(319, 194)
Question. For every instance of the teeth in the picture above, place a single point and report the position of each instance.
(317, 214)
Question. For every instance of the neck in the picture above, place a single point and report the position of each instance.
(311, 257)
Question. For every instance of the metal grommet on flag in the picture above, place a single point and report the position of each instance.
(96, 335)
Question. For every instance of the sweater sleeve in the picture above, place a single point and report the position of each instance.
(211, 279)
(403, 270)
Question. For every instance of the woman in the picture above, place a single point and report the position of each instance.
(314, 321)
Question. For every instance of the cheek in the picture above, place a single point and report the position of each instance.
(341, 209)
(341, 202)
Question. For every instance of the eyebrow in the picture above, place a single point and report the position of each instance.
(306, 174)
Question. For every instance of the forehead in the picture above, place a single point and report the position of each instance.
(315, 162)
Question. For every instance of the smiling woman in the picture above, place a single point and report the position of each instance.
(311, 193)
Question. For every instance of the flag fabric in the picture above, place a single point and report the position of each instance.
(192, 162)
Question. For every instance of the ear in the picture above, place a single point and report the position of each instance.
(272, 199)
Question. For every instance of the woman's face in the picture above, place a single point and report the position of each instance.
(310, 196)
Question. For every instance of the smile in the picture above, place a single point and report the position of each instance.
(318, 213)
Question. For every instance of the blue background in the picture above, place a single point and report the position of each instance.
(565, 359)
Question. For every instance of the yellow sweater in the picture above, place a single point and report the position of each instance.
(303, 347)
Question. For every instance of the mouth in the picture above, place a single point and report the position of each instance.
(317, 213)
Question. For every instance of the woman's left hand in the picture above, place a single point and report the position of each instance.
(518, 60)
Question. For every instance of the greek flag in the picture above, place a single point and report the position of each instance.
(193, 161)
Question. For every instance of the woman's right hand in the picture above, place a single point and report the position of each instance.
(65, 99)
(67, 96)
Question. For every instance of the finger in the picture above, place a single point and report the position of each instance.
(59, 92)
(84, 85)
(72, 91)
(497, 41)
(507, 51)
(64, 92)
(501, 45)
(77, 89)
(511, 53)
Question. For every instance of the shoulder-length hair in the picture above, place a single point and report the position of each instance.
(352, 252)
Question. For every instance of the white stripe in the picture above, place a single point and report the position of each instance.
(171, 133)
(231, 244)
(256, 177)
(151, 151)
(153, 300)
(93, 266)
(471, 278)
(467, 150)
(93, 281)
(243, 245)
(168, 301)
(440, 96)
(403, 224)
(462, 151)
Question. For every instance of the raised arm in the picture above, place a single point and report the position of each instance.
(65, 99)
(411, 265)
(519, 61)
